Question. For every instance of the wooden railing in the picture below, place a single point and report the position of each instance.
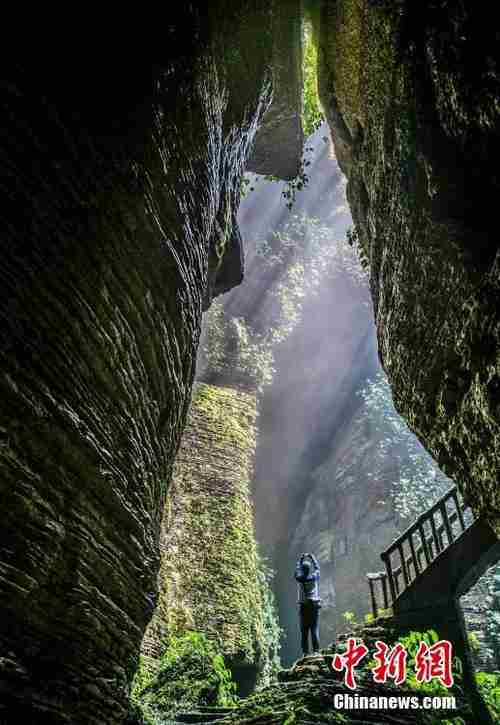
(416, 549)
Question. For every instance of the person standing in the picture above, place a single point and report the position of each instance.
(307, 577)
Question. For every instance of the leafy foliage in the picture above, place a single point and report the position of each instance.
(231, 346)
(191, 672)
(488, 683)
(140, 714)
(297, 259)
(299, 183)
(411, 643)
(489, 688)
(473, 640)
(350, 619)
(354, 241)
(312, 112)
(272, 629)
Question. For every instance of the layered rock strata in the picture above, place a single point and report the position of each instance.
(120, 182)
(412, 99)
(209, 577)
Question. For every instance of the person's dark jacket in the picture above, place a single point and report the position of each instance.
(308, 582)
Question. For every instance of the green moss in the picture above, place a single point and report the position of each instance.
(489, 688)
(190, 673)
(359, 56)
(210, 571)
(229, 412)
(140, 714)
(346, 43)
(312, 115)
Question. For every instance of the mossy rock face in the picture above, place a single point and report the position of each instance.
(413, 102)
(209, 577)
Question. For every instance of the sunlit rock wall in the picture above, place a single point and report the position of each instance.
(412, 94)
(120, 181)
(209, 575)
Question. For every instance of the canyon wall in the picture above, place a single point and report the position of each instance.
(412, 95)
(121, 180)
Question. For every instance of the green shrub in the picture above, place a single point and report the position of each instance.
(191, 672)
(350, 619)
(411, 643)
(489, 688)
(474, 643)
(140, 715)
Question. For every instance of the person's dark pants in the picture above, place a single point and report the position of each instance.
(309, 622)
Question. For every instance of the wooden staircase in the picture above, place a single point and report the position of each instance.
(437, 559)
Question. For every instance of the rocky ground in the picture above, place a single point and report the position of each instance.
(305, 694)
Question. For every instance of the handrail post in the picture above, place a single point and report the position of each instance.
(416, 564)
(372, 595)
(383, 579)
(435, 536)
(386, 558)
(403, 564)
(424, 542)
(444, 514)
(459, 509)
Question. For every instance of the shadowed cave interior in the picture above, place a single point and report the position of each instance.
(249, 308)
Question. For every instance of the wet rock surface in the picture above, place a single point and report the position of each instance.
(121, 181)
(413, 108)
